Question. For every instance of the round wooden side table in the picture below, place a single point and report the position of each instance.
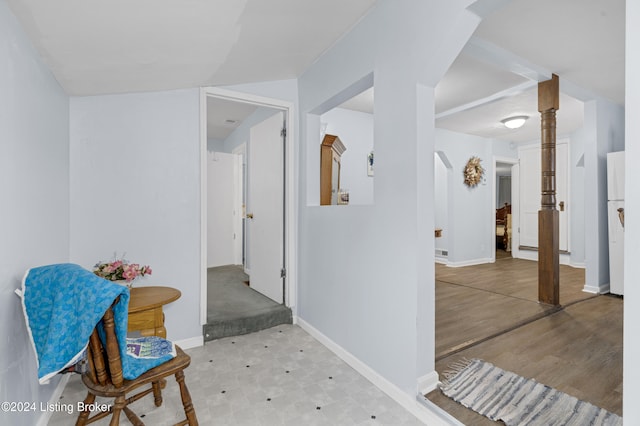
(145, 309)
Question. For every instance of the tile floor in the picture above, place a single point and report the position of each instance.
(278, 376)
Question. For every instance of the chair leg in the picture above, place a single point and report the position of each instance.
(189, 411)
(157, 393)
(118, 405)
(84, 415)
(135, 421)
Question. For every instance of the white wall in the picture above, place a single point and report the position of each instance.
(578, 188)
(604, 122)
(631, 376)
(135, 188)
(34, 212)
(216, 145)
(471, 212)
(355, 130)
(366, 272)
(458, 148)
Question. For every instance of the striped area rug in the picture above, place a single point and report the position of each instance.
(515, 400)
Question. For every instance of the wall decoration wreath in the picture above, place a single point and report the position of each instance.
(473, 172)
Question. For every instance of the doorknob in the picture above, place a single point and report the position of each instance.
(621, 216)
(561, 206)
(249, 215)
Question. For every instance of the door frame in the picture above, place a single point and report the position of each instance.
(290, 196)
(515, 200)
(241, 152)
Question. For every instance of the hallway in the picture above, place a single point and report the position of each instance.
(491, 312)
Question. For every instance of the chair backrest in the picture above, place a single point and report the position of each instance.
(104, 363)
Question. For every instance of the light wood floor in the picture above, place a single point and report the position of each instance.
(491, 312)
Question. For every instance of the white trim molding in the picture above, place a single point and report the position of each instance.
(291, 197)
(428, 382)
(601, 289)
(420, 410)
(443, 418)
(515, 200)
(44, 418)
(565, 258)
(203, 207)
(191, 342)
(470, 262)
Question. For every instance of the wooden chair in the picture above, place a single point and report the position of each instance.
(104, 378)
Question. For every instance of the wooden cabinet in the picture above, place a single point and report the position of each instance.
(331, 150)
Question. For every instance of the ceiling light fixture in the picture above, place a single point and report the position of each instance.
(514, 122)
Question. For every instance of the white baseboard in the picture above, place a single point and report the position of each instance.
(565, 259)
(528, 255)
(442, 260)
(601, 289)
(428, 382)
(191, 342)
(470, 262)
(419, 410)
(44, 418)
(443, 417)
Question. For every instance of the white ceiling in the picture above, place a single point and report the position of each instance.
(524, 41)
(224, 116)
(495, 77)
(485, 120)
(95, 47)
(580, 40)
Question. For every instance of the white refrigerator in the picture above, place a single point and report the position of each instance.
(615, 189)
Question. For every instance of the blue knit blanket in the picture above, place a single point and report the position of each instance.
(62, 304)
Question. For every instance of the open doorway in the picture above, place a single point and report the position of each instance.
(505, 198)
(245, 226)
(491, 311)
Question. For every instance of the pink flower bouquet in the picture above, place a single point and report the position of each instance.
(121, 269)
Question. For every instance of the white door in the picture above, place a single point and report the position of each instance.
(265, 198)
(530, 158)
(529, 195)
(223, 212)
